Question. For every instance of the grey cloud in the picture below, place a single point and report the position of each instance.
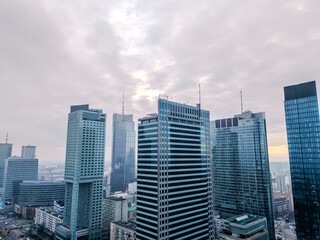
(55, 54)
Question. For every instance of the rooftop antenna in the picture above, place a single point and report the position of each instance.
(123, 103)
(241, 101)
(199, 95)
(7, 138)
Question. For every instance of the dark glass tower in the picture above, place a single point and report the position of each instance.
(303, 132)
(123, 152)
(241, 175)
(174, 174)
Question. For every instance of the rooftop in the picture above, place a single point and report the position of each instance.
(244, 219)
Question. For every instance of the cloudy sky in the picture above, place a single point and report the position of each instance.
(54, 54)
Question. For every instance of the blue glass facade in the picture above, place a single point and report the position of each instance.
(174, 174)
(5, 152)
(84, 170)
(303, 133)
(123, 163)
(241, 175)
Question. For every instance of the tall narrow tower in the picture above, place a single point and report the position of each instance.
(84, 169)
(303, 132)
(5, 152)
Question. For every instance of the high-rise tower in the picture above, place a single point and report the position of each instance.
(303, 133)
(174, 174)
(241, 175)
(5, 152)
(84, 169)
(123, 152)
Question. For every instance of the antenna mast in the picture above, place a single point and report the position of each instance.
(7, 138)
(123, 103)
(199, 96)
(241, 101)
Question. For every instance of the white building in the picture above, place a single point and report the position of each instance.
(114, 210)
(122, 231)
(132, 187)
(48, 218)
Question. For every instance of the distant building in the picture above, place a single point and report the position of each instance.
(38, 193)
(241, 175)
(5, 152)
(114, 209)
(122, 231)
(48, 218)
(244, 226)
(132, 188)
(28, 151)
(281, 206)
(303, 133)
(123, 152)
(17, 169)
(84, 168)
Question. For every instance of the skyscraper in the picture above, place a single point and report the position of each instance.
(5, 152)
(174, 174)
(303, 133)
(123, 152)
(84, 171)
(241, 175)
(17, 169)
(28, 151)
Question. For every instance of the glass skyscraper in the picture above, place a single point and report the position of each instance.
(303, 133)
(241, 175)
(174, 174)
(5, 152)
(84, 171)
(123, 152)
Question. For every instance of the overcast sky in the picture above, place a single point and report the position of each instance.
(54, 54)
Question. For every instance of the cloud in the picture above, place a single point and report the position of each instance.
(55, 54)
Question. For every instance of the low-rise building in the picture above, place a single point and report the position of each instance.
(48, 218)
(244, 226)
(122, 231)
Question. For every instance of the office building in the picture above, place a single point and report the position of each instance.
(28, 151)
(174, 185)
(123, 152)
(241, 175)
(48, 218)
(17, 169)
(122, 231)
(244, 226)
(84, 173)
(38, 193)
(303, 132)
(114, 209)
(5, 152)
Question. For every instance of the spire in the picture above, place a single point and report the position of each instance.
(241, 101)
(7, 138)
(123, 103)
(199, 95)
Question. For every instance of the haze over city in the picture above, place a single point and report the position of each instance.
(57, 54)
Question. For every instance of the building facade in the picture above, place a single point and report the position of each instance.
(241, 175)
(114, 209)
(28, 151)
(5, 152)
(123, 152)
(48, 218)
(122, 231)
(84, 171)
(303, 133)
(38, 193)
(174, 185)
(17, 169)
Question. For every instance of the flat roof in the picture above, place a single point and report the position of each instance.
(244, 219)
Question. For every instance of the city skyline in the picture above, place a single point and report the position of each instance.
(79, 52)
